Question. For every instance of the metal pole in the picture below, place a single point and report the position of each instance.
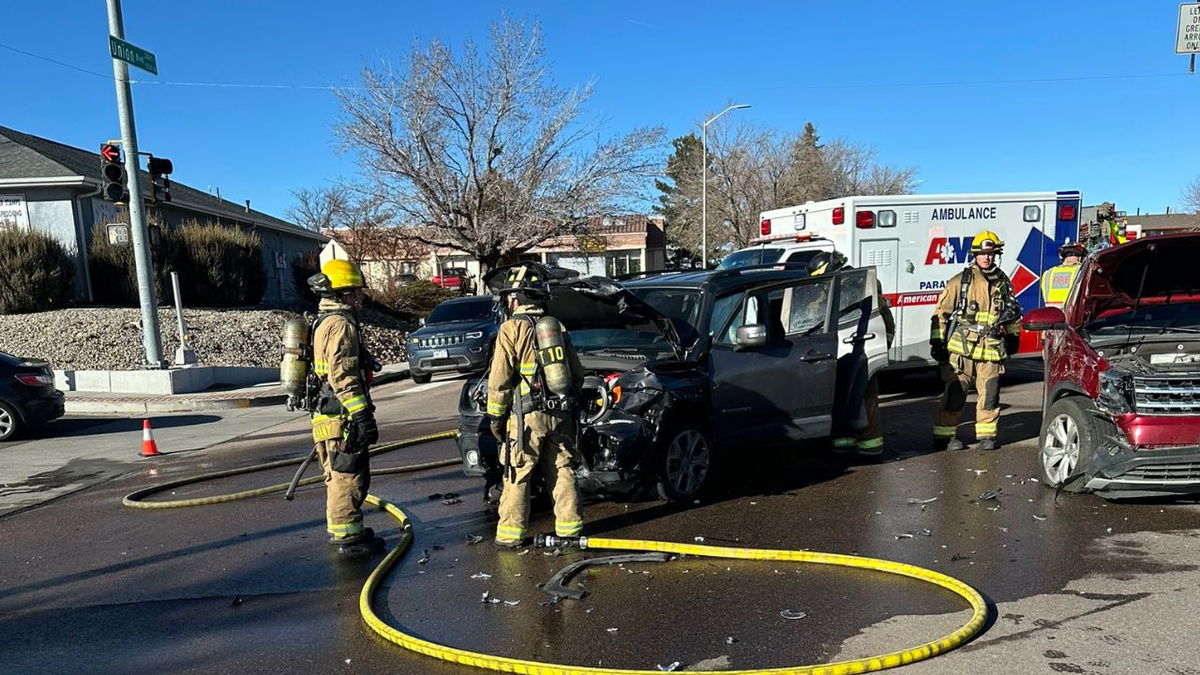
(137, 225)
(184, 355)
(704, 196)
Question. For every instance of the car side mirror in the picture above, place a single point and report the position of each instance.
(751, 335)
(421, 321)
(1044, 318)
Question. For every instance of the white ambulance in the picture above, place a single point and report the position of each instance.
(917, 242)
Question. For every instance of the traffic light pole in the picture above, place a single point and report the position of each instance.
(142, 260)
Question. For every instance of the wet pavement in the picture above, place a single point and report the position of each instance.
(250, 585)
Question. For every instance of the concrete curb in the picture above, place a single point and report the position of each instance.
(190, 403)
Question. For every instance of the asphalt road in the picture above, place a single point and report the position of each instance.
(1078, 586)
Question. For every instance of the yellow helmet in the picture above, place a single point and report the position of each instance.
(987, 242)
(337, 275)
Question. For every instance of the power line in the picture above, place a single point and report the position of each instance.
(56, 62)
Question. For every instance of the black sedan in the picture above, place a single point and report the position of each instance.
(27, 395)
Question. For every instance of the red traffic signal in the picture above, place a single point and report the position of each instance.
(110, 152)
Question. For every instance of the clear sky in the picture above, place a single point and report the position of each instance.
(982, 97)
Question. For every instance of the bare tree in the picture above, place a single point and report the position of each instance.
(319, 209)
(1191, 196)
(482, 153)
(752, 169)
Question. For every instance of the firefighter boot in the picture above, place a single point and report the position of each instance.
(358, 545)
(989, 444)
(956, 444)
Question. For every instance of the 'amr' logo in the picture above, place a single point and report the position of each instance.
(948, 250)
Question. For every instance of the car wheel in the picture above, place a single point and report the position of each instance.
(421, 378)
(685, 464)
(1070, 434)
(10, 422)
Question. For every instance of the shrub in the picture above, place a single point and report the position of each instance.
(218, 265)
(304, 267)
(114, 278)
(39, 274)
(417, 298)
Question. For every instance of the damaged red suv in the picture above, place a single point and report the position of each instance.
(1121, 414)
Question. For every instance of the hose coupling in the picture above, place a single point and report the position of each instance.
(555, 541)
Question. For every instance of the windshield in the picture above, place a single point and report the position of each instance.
(473, 310)
(1183, 317)
(681, 306)
(752, 256)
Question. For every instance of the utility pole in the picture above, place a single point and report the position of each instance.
(142, 260)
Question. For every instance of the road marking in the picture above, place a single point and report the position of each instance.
(427, 386)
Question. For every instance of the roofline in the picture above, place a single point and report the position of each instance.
(297, 230)
(47, 181)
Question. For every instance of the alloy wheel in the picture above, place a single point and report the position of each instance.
(6, 422)
(1060, 448)
(687, 462)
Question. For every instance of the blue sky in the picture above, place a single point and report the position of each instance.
(979, 96)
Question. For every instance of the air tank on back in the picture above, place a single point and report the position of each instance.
(293, 368)
(552, 353)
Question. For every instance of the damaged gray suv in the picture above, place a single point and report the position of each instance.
(684, 369)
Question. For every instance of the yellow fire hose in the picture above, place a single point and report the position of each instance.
(509, 665)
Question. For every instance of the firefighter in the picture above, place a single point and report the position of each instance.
(344, 424)
(860, 429)
(537, 423)
(975, 327)
(1057, 281)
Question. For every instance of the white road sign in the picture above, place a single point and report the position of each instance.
(1187, 39)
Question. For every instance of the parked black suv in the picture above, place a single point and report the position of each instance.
(27, 395)
(684, 368)
(457, 337)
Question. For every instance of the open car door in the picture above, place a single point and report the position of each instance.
(862, 339)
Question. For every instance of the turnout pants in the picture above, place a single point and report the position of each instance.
(344, 490)
(984, 378)
(547, 446)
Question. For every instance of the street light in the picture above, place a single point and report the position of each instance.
(704, 182)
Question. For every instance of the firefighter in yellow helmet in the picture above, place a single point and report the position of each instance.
(1057, 281)
(975, 328)
(344, 423)
(858, 427)
(532, 424)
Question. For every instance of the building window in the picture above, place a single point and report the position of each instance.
(617, 263)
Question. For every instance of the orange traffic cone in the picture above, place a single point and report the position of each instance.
(149, 447)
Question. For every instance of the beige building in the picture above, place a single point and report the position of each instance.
(615, 245)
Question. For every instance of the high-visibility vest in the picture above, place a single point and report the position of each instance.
(1056, 284)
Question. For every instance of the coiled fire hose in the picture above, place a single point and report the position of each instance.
(510, 665)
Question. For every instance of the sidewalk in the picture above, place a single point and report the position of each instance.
(266, 394)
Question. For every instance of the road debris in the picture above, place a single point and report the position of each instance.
(473, 539)
(512, 603)
(921, 502)
(669, 668)
(1037, 517)
(792, 614)
(481, 575)
(611, 630)
(424, 558)
(449, 501)
(487, 598)
(978, 472)
(990, 494)
(730, 640)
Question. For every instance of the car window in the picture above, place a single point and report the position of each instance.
(804, 256)
(852, 290)
(799, 309)
(747, 313)
(475, 310)
(751, 256)
(722, 308)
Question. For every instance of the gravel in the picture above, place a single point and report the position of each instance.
(110, 338)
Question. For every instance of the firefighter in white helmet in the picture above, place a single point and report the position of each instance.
(975, 328)
(532, 414)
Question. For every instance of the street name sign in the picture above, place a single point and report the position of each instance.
(133, 55)
(1187, 39)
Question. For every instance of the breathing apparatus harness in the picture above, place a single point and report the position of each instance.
(1002, 298)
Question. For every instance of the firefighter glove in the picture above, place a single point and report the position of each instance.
(499, 426)
(1012, 344)
(937, 349)
(367, 431)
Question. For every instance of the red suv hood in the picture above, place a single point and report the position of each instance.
(1168, 263)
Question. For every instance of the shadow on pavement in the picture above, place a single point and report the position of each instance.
(80, 426)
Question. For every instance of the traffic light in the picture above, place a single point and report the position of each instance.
(112, 173)
(159, 168)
